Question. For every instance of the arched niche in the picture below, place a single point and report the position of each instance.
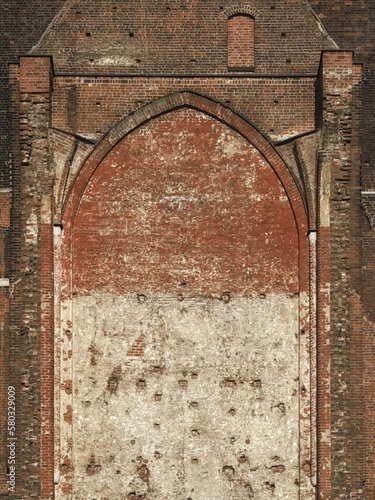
(184, 266)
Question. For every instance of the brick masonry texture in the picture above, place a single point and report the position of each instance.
(189, 238)
(359, 315)
(290, 101)
(185, 37)
(241, 42)
(147, 175)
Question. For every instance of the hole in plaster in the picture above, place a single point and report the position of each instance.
(228, 470)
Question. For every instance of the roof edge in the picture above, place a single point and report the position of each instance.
(320, 24)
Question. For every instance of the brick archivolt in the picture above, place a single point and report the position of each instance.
(165, 105)
(241, 9)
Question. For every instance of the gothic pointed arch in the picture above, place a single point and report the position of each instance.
(184, 227)
(168, 104)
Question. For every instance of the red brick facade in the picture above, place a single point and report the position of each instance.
(184, 151)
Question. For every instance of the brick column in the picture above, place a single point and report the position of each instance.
(4, 337)
(338, 77)
(32, 277)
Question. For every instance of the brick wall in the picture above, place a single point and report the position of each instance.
(22, 24)
(114, 59)
(180, 37)
(268, 103)
(241, 42)
(351, 25)
(30, 351)
(182, 235)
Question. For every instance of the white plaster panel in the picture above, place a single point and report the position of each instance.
(224, 421)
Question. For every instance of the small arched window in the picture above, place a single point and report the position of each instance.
(241, 42)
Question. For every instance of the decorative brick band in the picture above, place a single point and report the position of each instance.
(241, 8)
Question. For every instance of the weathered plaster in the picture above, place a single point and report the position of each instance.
(209, 409)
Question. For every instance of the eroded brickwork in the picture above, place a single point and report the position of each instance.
(359, 35)
(156, 187)
(22, 24)
(181, 276)
(192, 209)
